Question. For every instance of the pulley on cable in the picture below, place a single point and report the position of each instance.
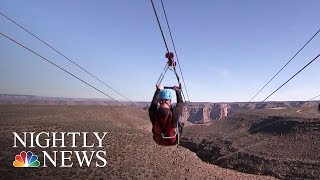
(171, 64)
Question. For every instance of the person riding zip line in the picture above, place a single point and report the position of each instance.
(166, 118)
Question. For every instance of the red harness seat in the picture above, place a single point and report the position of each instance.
(164, 131)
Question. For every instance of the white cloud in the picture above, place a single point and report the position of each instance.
(220, 71)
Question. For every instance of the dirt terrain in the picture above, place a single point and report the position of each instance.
(280, 142)
(130, 150)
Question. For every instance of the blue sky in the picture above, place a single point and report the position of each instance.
(227, 49)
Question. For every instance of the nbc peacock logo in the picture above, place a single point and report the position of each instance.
(26, 160)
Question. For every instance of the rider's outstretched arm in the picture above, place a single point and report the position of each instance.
(154, 104)
(177, 111)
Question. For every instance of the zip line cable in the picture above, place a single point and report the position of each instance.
(165, 42)
(292, 77)
(54, 49)
(311, 100)
(174, 47)
(25, 47)
(155, 13)
(314, 98)
(285, 64)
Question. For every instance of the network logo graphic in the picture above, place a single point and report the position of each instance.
(26, 160)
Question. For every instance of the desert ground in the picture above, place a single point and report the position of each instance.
(230, 148)
(279, 142)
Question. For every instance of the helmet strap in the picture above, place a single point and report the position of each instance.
(165, 101)
(168, 104)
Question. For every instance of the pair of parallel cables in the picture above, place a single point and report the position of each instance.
(263, 86)
(168, 52)
(52, 63)
(284, 67)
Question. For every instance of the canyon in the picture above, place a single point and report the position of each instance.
(194, 112)
(199, 113)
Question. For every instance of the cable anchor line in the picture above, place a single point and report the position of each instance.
(52, 63)
(314, 98)
(291, 77)
(285, 65)
(60, 53)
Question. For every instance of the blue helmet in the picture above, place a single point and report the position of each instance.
(165, 94)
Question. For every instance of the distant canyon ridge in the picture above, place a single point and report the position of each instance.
(200, 113)
(194, 112)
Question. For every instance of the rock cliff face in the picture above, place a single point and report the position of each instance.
(202, 113)
(199, 113)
